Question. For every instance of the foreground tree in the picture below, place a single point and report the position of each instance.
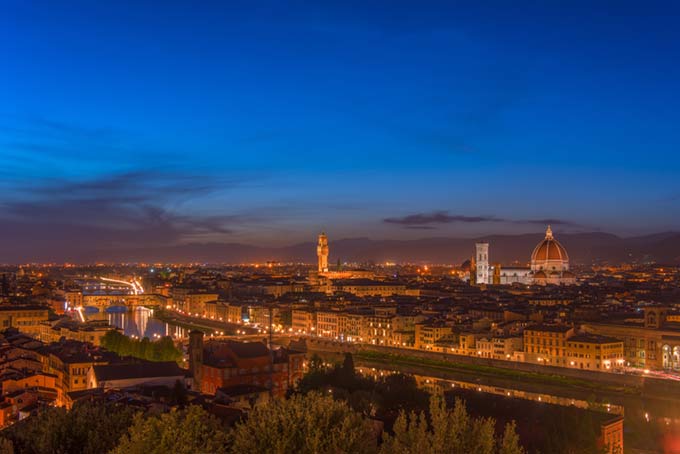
(6, 446)
(179, 432)
(89, 428)
(304, 424)
(448, 432)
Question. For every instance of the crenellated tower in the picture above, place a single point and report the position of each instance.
(322, 253)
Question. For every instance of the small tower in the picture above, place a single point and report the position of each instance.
(196, 357)
(473, 271)
(482, 255)
(322, 253)
(497, 274)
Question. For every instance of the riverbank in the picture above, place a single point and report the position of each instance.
(172, 319)
(207, 326)
(475, 371)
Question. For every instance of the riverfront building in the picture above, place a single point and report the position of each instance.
(547, 344)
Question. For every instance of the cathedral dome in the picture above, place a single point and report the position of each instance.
(549, 254)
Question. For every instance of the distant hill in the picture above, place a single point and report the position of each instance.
(506, 249)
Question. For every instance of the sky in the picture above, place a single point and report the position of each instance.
(135, 124)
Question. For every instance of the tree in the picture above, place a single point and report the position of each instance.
(6, 446)
(178, 432)
(348, 365)
(179, 394)
(304, 424)
(316, 363)
(401, 392)
(510, 441)
(162, 350)
(89, 428)
(452, 432)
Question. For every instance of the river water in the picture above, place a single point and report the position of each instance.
(139, 322)
(650, 425)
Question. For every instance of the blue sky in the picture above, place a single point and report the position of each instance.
(136, 123)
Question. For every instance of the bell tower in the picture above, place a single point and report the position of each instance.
(482, 253)
(322, 253)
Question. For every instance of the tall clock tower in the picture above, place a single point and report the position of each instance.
(322, 253)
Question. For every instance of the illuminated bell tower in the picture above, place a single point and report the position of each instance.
(482, 255)
(322, 253)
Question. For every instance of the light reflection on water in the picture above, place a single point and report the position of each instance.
(437, 385)
(140, 322)
(649, 424)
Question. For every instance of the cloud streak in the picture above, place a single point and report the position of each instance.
(430, 220)
(133, 209)
(437, 217)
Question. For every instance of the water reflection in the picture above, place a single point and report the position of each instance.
(651, 424)
(140, 323)
(439, 385)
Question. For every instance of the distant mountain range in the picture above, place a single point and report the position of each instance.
(583, 248)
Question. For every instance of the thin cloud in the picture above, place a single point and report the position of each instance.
(437, 217)
(551, 221)
(429, 220)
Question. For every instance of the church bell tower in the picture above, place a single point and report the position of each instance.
(482, 253)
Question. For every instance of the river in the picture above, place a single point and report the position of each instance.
(650, 425)
(139, 322)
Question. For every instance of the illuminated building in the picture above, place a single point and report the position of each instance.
(594, 352)
(547, 344)
(429, 333)
(69, 329)
(369, 287)
(506, 347)
(74, 298)
(327, 324)
(303, 321)
(70, 361)
(350, 326)
(24, 318)
(192, 301)
(651, 342)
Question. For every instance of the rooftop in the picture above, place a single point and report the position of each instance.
(593, 339)
(137, 370)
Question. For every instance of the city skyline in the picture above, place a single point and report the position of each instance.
(267, 125)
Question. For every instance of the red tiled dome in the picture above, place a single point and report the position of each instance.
(549, 249)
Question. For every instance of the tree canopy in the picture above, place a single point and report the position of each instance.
(448, 432)
(161, 350)
(178, 432)
(304, 424)
(88, 428)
